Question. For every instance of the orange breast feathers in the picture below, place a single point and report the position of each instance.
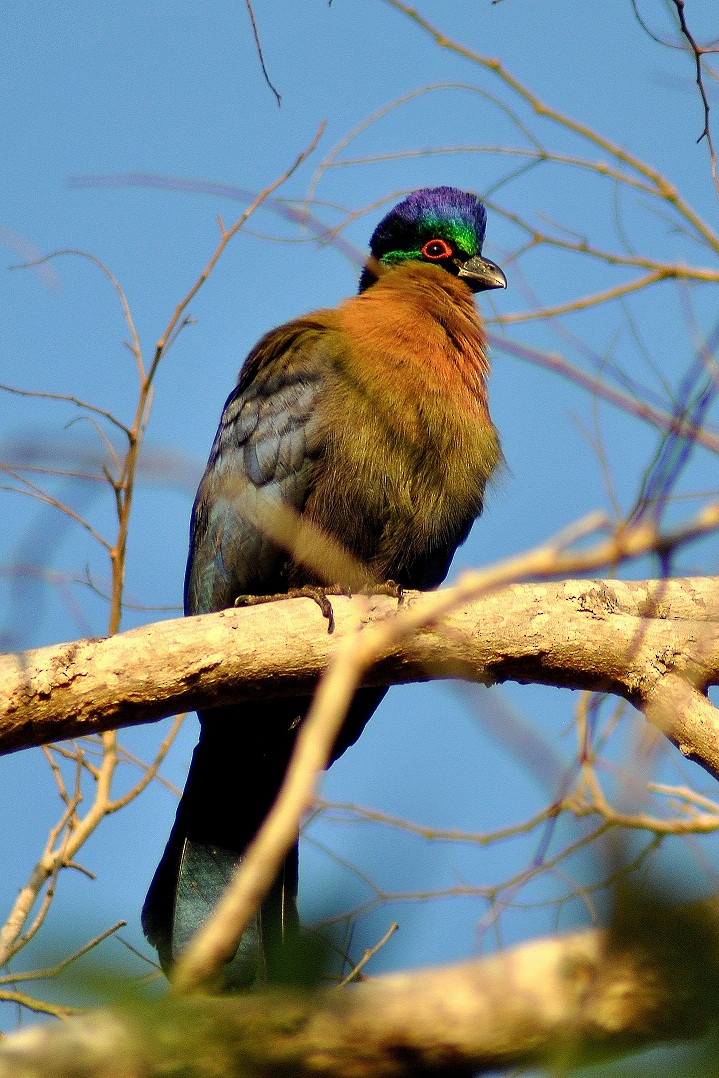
(418, 331)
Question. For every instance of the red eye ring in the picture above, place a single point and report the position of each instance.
(436, 249)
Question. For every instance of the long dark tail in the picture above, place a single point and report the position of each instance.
(236, 771)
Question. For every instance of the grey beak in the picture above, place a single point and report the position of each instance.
(479, 274)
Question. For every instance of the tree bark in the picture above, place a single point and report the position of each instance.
(656, 643)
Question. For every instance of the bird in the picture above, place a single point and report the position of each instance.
(354, 451)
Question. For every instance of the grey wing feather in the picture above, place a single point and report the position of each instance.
(265, 452)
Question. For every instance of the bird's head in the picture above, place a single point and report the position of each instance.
(438, 225)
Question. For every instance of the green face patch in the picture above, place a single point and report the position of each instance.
(454, 230)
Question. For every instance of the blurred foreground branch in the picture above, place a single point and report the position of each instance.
(551, 1000)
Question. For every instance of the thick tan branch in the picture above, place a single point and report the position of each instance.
(623, 637)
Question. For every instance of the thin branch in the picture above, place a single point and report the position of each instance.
(664, 188)
(69, 399)
(330, 160)
(39, 1006)
(436, 834)
(370, 953)
(585, 302)
(51, 972)
(32, 490)
(650, 33)
(698, 52)
(151, 770)
(258, 46)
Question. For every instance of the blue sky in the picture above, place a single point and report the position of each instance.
(100, 90)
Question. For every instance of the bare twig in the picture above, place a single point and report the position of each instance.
(226, 236)
(258, 46)
(698, 52)
(370, 953)
(70, 400)
(663, 187)
(151, 771)
(51, 972)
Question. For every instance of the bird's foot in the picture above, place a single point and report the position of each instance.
(319, 595)
(389, 587)
(310, 591)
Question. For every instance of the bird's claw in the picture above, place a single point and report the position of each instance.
(320, 594)
(391, 588)
(309, 591)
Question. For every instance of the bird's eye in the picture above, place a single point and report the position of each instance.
(436, 250)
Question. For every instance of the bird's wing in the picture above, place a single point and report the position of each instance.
(264, 455)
